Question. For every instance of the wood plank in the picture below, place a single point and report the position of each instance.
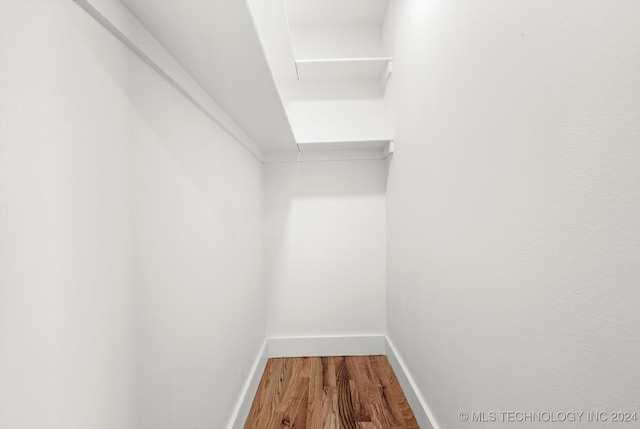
(396, 391)
(330, 417)
(262, 393)
(304, 366)
(390, 396)
(359, 397)
(330, 392)
(266, 399)
(314, 414)
(329, 371)
(345, 407)
(316, 375)
(292, 408)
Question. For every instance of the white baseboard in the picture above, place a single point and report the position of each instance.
(418, 405)
(332, 346)
(327, 346)
(241, 411)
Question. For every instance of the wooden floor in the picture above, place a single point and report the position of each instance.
(352, 392)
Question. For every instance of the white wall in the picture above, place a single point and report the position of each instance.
(334, 110)
(336, 120)
(198, 270)
(131, 247)
(513, 218)
(324, 248)
(338, 41)
(67, 344)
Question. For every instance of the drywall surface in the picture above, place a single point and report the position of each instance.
(66, 252)
(324, 248)
(334, 111)
(131, 238)
(337, 41)
(200, 307)
(513, 212)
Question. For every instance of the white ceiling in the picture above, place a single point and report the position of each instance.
(304, 13)
(217, 44)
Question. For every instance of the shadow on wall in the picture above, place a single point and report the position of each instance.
(325, 179)
(324, 248)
